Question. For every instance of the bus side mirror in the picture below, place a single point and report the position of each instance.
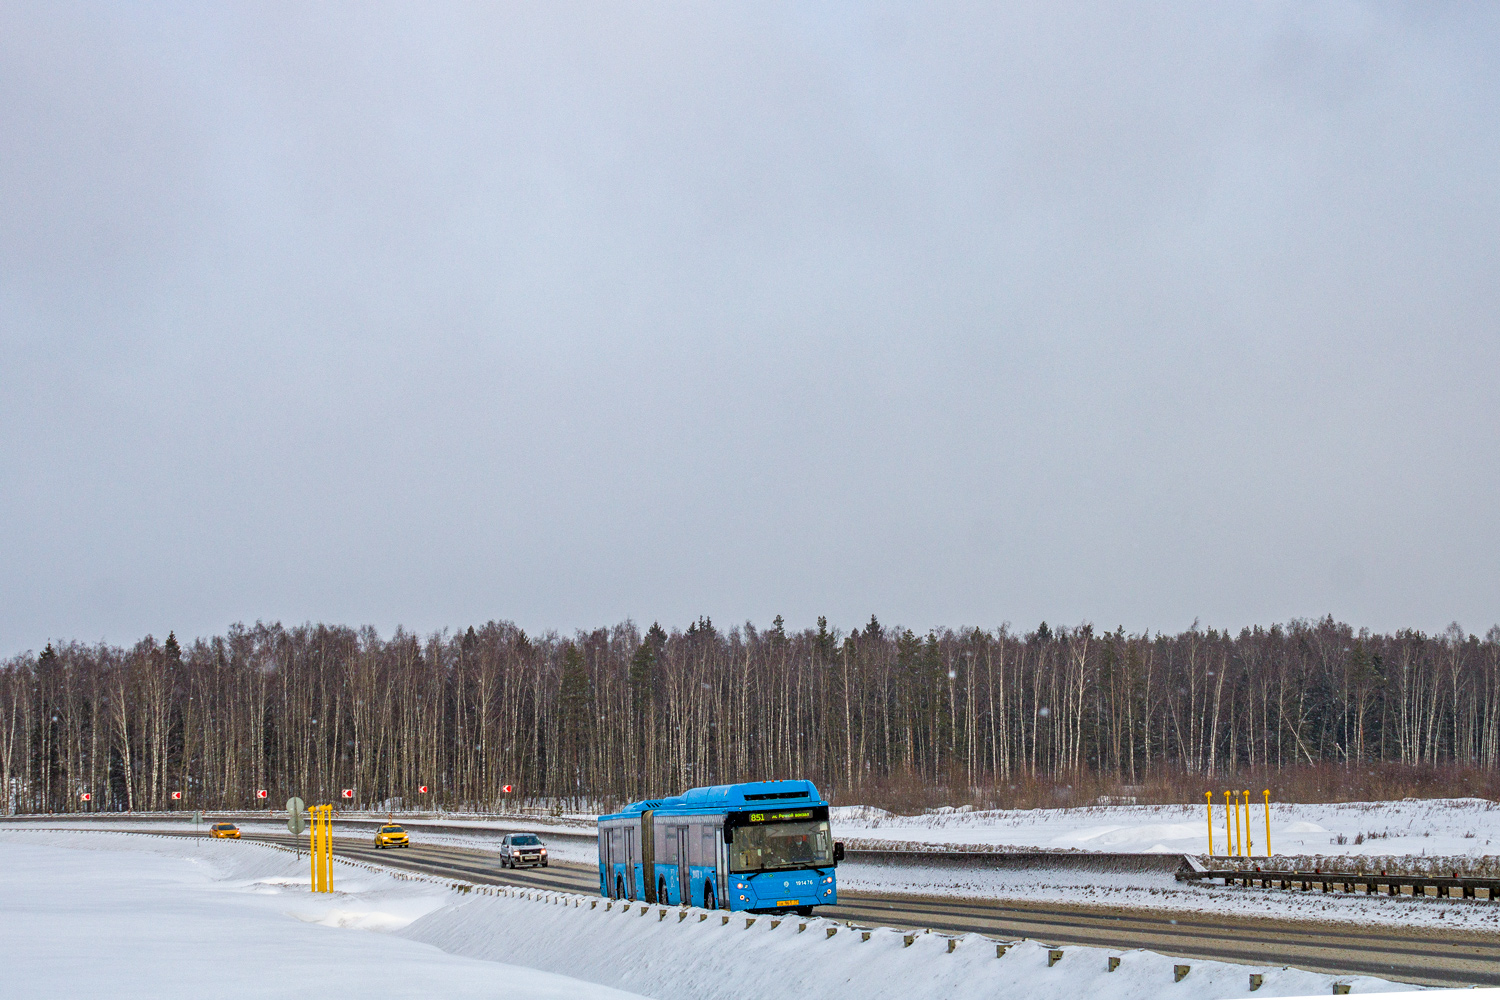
(838, 851)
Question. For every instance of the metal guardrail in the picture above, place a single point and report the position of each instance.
(1018, 861)
(1359, 883)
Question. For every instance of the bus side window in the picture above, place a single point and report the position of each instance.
(694, 842)
(710, 844)
(668, 851)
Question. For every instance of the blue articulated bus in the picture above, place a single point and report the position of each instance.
(762, 846)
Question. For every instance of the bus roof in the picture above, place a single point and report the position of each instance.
(718, 798)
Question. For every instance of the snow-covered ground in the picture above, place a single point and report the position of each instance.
(105, 915)
(1410, 827)
(102, 914)
(569, 847)
(1145, 890)
(1418, 827)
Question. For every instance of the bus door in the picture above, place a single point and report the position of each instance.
(721, 867)
(629, 859)
(617, 858)
(648, 855)
(684, 870)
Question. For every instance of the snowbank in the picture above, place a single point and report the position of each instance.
(1444, 828)
(672, 952)
(1418, 827)
(121, 916)
(1157, 891)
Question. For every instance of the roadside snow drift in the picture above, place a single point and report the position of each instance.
(1417, 827)
(675, 952)
(121, 916)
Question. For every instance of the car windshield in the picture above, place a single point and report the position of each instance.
(391, 829)
(525, 840)
(781, 845)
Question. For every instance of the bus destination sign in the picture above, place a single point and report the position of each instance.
(781, 817)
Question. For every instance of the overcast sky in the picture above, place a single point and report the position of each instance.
(569, 314)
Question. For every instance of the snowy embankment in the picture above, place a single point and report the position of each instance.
(569, 847)
(125, 916)
(1410, 835)
(671, 952)
(1159, 891)
(1419, 828)
(1416, 827)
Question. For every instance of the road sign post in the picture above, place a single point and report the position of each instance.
(295, 823)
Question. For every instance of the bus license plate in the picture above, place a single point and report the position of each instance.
(786, 902)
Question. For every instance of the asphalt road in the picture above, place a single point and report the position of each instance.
(1416, 955)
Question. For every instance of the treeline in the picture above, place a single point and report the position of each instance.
(618, 714)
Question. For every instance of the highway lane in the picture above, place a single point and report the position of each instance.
(1415, 955)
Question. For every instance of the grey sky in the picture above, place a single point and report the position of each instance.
(425, 316)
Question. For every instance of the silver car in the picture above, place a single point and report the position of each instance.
(521, 849)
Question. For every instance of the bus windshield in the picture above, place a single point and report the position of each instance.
(781, 845)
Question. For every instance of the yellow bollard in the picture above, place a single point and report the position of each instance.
(1228, 827)
(1210, 797)
(328, 849)
(1239, 834)
(317, 821)
(323, 835)
(312, 848)
(1268, 822)
(1250, 838)
(320, 847)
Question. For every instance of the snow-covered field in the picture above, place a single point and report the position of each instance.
(1040, 883)
(110, 915)
(1418, 827)
(1414, 827)
(102, 914)
(1457, 833)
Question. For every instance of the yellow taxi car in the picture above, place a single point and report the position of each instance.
(220, 830)
(391, 835)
